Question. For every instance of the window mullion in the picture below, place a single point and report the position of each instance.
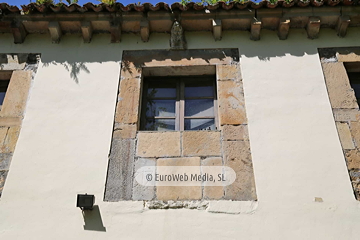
(217, 125)
(182, 105)
(143, 105)
(177, 107)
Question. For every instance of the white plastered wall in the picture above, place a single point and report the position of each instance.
(65, 138)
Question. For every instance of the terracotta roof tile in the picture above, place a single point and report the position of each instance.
(118, 7)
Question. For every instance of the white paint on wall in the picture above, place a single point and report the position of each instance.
(64, 144)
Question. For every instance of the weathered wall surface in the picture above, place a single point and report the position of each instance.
(65, 138)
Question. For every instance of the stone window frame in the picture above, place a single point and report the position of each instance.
(344, 106)
(180, 109)
(20, 68)
(229, 146)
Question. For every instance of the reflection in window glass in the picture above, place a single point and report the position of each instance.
(179, 103)
(160, 124)
(199, 124)
(160, 108)
(199, 91)
(199, 108)
(161, 90)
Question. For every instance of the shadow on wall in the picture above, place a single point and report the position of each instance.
(74, 55)
(93, 220)
(74, 69)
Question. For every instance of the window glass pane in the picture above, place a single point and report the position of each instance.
(158, 89)
(3, 88)
(199, 124)
(356, 88)
(160, 124)
(160, 108)
(202, 89)
(2, 96)
(199, 108)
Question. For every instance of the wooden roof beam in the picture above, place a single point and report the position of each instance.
(217, 29)
(115, 31)
(87, 31)
(55, 31)
(255, 29)
(18, 31)
(313, 27)
(283, 29)
(145, 30)
(342, 25)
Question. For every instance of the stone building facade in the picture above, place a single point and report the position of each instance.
(77, 83)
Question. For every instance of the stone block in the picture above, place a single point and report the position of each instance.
(345, 135)
(231, 103)
(353, 159)
(3, 175)
(231, 132)
(236, 151)
(11, 139)
(355, 132)
(5, 159)
(243, 189)
(120, 170)
(158, 58)
(158, 144)
(141, 192)
(340, 92)
(125, 131)
(228, 72)
(344, 115)
(201, 143)
(349, 56)
(179, 192)
(129, 70)
(213, 192)
(16, 96)
(237, 156)
(127, 109)
(3, 133)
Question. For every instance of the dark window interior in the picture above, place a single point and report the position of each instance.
(3, 88)
(353, 72)
(179, 103)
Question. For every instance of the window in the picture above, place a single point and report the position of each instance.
(353, 72)
(179, 103)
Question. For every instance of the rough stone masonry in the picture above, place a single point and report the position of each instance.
(229, 146)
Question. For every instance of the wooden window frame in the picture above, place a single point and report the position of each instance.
(180, 100)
